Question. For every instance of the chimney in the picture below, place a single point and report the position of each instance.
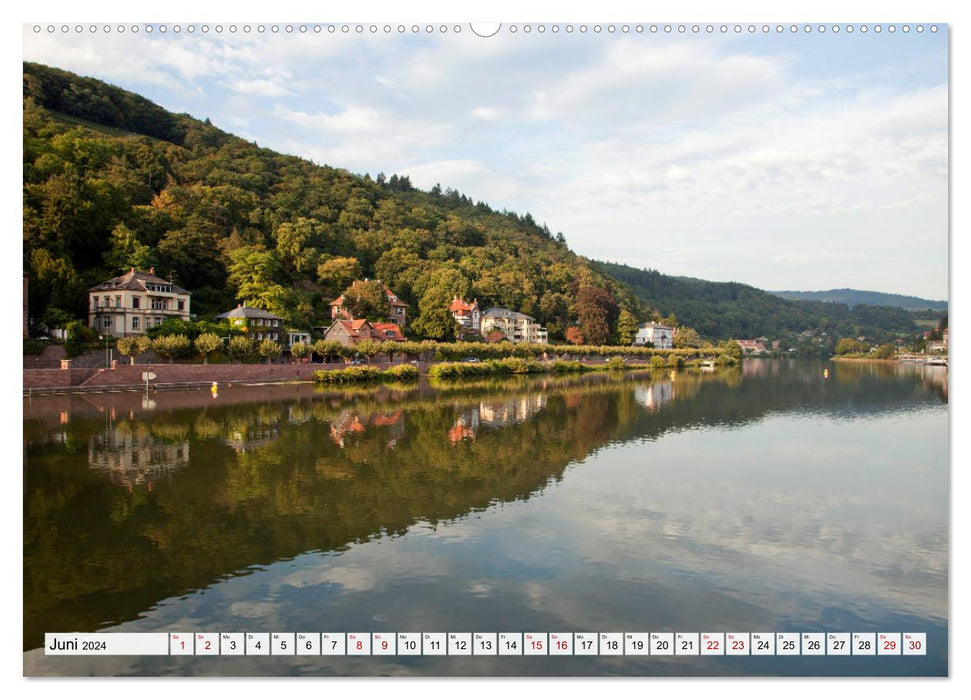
(239, 306)
(131, 271)
(151, 270)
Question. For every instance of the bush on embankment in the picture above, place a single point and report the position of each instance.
(365, 373)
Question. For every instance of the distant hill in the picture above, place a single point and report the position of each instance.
(733, 310)
(853, 297)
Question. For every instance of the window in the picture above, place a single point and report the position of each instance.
(134, 323)
(136, 302)
(158, 320)
(96, 302)
(106, 322)
(159, 304)
(181, 306)
(117, 302)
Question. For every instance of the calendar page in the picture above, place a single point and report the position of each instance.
(424, 348)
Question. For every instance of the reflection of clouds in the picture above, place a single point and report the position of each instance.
(254, 609)
(845, 511)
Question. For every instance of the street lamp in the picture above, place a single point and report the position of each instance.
(105, 338)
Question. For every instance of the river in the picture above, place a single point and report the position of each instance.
(769, 497)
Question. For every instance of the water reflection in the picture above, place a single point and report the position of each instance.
(765, 495)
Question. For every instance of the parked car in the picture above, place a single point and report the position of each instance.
(470, 359)
(359, 361)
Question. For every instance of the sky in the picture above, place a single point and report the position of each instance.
(799, 161)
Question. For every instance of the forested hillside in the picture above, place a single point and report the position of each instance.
(854, 297)
(112, 180)
(733, 310)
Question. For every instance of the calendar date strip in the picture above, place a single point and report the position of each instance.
(487, 644)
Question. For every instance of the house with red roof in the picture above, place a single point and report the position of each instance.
(397, 309)
(466, 315)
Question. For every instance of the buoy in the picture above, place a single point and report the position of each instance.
(826, 373)
(214, 389)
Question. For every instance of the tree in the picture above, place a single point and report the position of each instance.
(207, 343)
(78, 335)
(367, 300)
(326, 348)
(295, 244)
(126, 250)
(133, 346)
(171, 346)
(254, 271)
(685, 337)
(574, 335)
(240, 348)
(368, 349)
(338, 272)
(626, 327)
(269, 349)
(845, 346)
(886, 352)
(596, 313)
(299, 350)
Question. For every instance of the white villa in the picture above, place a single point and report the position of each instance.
(134, 302)
(662, 337)
(517, 327)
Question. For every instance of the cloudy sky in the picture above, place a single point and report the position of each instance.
(787, 161)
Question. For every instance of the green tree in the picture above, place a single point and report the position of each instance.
(171, 346)
(886, 352)
(845, 346)
(368, 349)
(685, 337)
(207, 343)
(254, 271)
(626, 327)
(299, 350)
(367, 300)
(240, 348)
(269, 349)
(338, 273)
(78, 336)
(133, 346)
(126, 250)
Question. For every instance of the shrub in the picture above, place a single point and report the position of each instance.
(616, 363)
(401, 372)
(657, 362)
(348, 375)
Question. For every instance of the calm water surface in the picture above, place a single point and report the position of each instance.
(767, 498)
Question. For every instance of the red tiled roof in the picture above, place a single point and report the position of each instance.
(381, 330)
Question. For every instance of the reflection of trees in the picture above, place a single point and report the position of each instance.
(268, 482)
(96, 552)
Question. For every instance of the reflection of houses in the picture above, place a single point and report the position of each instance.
(654, 395)
(466, 315)
(351, 422)
(259, 324)
(655, 334)
(252, 436)
(517, 327)
(396, 308)
(499, 413)
(130, 458)
(465, 426)
(134, 302)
